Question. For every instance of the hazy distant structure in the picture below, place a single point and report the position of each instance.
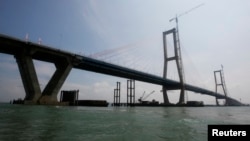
(220, 82)
(131, 92)
(117, 94)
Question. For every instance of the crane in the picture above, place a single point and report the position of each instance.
(177, 16)
(141, 99)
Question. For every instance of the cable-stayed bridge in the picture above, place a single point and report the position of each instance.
(25, 52)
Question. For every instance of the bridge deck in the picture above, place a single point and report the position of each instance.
(15, 46)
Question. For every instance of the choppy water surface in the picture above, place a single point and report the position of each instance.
(55, 123)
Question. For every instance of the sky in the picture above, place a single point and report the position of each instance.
(129, 33)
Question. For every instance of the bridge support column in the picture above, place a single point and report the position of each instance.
(49, 94)
(29, 78)
(165, 96)
(178, 60)
(130, 92)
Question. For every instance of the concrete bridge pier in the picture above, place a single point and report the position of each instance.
(34, 95)
(165, 96)
(49, 94)
(29, 78)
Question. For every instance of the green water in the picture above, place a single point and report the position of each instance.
(55, 123)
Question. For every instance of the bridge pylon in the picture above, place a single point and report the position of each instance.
(177, 59)
(220, 82)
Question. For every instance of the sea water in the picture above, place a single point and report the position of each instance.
(65, 123)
